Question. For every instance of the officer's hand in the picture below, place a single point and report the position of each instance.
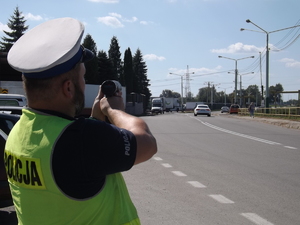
(96, 111)
(114, 102)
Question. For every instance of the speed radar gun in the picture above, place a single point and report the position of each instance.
(110, 87)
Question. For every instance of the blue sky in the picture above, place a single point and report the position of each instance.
(174, 35)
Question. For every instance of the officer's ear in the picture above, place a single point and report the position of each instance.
(68, 88)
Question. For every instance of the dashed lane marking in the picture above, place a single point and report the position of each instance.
(157, 158)
(178, 173)
(167, 165)
(256, 219)
(221, 199)
(290, 147)
(196, 184)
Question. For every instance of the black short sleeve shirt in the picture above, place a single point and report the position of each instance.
(87, 151)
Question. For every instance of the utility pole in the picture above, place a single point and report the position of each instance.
(261, 85)
(208, 89)
(267, 97)
(187, 82)
(236, 74)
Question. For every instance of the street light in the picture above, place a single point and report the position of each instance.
(225, 93)
(181, 100)
(241, 85)
(236, 72)
(267, 55)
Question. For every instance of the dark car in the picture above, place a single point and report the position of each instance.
(235, 108)
(7, 121)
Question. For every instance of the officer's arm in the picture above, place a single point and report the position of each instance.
(146, 143)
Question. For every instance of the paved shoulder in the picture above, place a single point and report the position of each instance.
(278, 122)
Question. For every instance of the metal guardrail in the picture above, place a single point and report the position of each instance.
(287, 112)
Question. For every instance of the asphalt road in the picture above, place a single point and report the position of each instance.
(216, 170)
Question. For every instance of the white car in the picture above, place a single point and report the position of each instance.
(224, 109)
(202, 110)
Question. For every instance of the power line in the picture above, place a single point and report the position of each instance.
(291, 40)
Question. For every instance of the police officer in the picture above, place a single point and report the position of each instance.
(64, 170)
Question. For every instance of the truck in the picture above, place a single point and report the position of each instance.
(192, 105)
(164, 104)
(157, 105)
(172, 104)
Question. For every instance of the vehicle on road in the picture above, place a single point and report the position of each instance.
(12, 100)
(11, 109)
(157, 105)
(164, 104)
(202, 110)
(225, 109)
(192, 105)
(234, 108)
(7, 121)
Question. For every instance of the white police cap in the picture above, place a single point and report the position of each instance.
(49, 49)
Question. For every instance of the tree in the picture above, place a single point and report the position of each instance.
(104, 67)
(176, 95)
(91, 74)
(140, 71)
(128, 74)
(141, 83)
(274, 93)
(166, 93)
(202, 95)
(17, 26)
(190, 96)
(115, 57)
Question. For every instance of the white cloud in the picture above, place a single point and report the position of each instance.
(30, 16)
(115, 20)
(152, 57)
(115, 15)
(132, 20)
(4, 27)
(110, 21)
(143, 22)
(238, 48)
(196, 71)
(105, 1)
(290, 62)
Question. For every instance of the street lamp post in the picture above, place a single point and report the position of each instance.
(241, 85)
(181, 100)
(236, 73)
(267, 98)
(225, 93)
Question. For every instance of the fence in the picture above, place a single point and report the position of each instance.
(285, 112)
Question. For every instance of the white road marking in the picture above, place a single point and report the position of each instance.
(157, 158)
(167, 165)
(290, 147)
(256, 219)
(221, 199)
(196, 184)
(238, 134)
(178, 173)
